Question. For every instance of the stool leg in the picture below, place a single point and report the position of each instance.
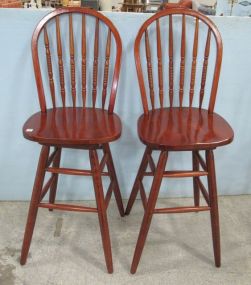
(35, 199)
(196, 190)
(139, 177)
(149, 210)
(214, 207)
(97, 181)
(111, 169)
(54, 185)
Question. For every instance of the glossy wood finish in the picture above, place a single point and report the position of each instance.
(170, 53)
(182, 60)
(84, 54)
(54, 19)
(183, 129)
(186, 14)
(194, 63)
(196, 190)
(149, 68)
(35, 199)
(53, 187)
(214, 207)
(149, 210)
(178, 128)
(95, 64)
(106, 68)
(72, 62)
(159, 56)
(139, 178)
(97, 182)
(60, 61)
(70, 126)
(77, 127)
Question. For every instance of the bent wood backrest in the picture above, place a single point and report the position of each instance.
(172, 68)
(76, 56)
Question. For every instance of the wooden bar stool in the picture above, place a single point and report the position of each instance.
(180, 126)
(88, 128)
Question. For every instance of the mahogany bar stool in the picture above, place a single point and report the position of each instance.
(177, 72)
(65, 120)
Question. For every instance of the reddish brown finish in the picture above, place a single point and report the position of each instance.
(139, 178)
(204, 71)
(53, 188)
(167, 128)
(84, 60)
(95, 64)
(60, 61)
(70, 126)
(106, 68)
(149, 210)
(111, 170)
(168, 14)
(182, 60)
(72, 61)
(181, 210)
(97, 182)
(149, 68)
(194, 63)
(214, 207)
(35, 199)
(171, 60)
(49, 65)
(196, 190)
(160, 69)
(84, 11)
(179, 128)
(203, 191)
(86, 128)
(66, 207)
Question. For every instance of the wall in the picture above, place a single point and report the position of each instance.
(18, 100)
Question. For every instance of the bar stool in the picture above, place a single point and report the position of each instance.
(65, 120)
(180, 126)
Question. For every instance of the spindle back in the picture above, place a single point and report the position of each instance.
(176, 67)
(76, 56)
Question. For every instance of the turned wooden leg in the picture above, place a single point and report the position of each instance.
(98, 188)
(35, 199)
(53, 189)
(214, 207)
(149, 210)
(116, 190)
(139, 177)
(196, 190)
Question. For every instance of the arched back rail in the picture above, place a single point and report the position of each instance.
(180, 51)
(76, 56)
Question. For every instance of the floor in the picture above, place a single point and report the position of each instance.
(66, 247)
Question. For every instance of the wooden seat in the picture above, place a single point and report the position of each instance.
(178, 96)
(76, 56)
(183, 129)
(69, 126)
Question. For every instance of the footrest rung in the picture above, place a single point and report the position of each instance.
(184, 173)
(181, 210)
(70, 171)
(67, 207)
